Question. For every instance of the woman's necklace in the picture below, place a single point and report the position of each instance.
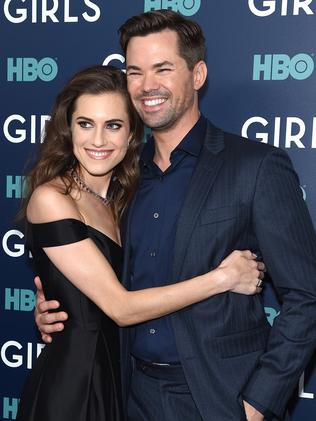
(82, 185)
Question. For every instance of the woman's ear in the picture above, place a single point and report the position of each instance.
(130, 137)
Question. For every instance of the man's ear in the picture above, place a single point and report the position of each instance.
(199, 74)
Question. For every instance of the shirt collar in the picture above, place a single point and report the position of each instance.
(192, 142)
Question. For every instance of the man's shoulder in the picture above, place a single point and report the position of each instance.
(238, 144)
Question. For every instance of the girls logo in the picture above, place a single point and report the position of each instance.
(56, 11)
(264, 8)
(287, 132)
(17, 128)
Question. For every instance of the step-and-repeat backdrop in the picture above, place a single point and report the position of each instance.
(262, 84)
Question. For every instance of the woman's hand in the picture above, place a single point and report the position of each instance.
(243, 274)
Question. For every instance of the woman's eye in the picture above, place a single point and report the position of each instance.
(114, 126)
(84, 124)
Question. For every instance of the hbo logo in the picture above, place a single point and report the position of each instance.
(281, 66)
(19, 299)
(10, 408)
(28, 69)
(185, 7)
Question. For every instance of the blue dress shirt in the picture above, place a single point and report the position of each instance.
(153, 227)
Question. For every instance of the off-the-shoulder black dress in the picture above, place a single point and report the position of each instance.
(76, 377)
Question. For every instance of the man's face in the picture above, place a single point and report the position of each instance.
(159, 82)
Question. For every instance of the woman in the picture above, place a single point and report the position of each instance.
(78, 191)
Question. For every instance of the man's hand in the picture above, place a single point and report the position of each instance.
(47, 322)
(251, 413)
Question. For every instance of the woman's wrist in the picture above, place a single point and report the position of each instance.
(220, 280)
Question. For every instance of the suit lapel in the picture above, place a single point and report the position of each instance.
(209, 163)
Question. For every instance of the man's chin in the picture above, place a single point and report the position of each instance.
(158, 125)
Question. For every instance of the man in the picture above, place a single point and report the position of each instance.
(204, 193)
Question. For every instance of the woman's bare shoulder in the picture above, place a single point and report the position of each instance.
(50, 202)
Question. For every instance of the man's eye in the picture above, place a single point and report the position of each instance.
(133, 74)
(164, 69)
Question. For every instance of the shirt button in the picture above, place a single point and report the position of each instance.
(156, 215)
(152, 254)
(152, 331)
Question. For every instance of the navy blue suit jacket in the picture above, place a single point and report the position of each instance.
(243, 195)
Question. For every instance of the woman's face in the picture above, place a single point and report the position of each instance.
(100, 132)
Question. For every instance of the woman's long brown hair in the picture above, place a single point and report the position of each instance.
(56, 158)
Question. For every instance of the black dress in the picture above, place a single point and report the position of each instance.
(76, 377)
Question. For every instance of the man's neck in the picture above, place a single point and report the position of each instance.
(167, 140)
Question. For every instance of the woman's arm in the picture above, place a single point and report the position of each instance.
(86, 267)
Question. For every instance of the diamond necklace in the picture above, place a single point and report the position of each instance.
(82, 185)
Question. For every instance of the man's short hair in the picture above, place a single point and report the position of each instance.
(191, 40)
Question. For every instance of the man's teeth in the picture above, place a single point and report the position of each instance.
(153, 102)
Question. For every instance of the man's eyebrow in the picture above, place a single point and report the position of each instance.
(164, 63)
(155, 66)
(132, 68)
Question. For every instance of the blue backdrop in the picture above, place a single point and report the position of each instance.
(261, 85)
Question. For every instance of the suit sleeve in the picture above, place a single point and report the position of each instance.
(287, 241)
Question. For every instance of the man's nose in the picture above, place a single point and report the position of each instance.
(150, 82)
